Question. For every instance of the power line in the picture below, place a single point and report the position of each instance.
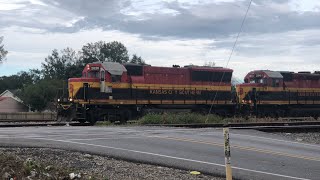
(241, 27)
(231, 53)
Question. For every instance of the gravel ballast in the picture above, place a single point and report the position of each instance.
(86, 166)
(307, 137)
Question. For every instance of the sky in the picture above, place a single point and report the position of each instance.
(277, 34)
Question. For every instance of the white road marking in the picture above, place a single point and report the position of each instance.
(171, 157)
(259, 137)
(115, 138)
(279, 140)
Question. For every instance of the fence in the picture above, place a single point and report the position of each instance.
(27, 116)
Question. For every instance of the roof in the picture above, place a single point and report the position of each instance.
(8, 93)
(113, 68)
(273, 74)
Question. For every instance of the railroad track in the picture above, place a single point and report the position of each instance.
(29, 123)
(291, 125)
(24, 120)
(241, 125)
(294, 125)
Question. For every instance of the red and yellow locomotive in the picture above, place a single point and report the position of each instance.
(280, 93)
(109, 90)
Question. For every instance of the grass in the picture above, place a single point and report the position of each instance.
(195, 118)
(180, 118)
(104, 123)
(190, 118)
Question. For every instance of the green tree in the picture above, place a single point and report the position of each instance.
(91, 52)
(137, 60)
(62, 65)
(54, 66)
(38, 96)
(35, 75)
(115, 52)
(73, 63)
(3, 52)
(20, 80)
(10, 82)
(101, 51)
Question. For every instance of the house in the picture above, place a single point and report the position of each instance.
(11, 103)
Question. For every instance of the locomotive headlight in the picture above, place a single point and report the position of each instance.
(59, 100)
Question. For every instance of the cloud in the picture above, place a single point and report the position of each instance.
(31, 48)
(31, 14)
(181, 19)
(198, 20)
(253, 52)
(91, 9)
(278, 34)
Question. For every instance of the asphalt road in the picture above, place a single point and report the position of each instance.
(254, 155)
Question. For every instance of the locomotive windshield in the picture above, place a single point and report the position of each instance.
(91, 74)
(258, 80)
(258, 77)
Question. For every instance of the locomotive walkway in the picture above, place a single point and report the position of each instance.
(254, 154)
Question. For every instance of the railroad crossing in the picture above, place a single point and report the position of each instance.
(255, 155)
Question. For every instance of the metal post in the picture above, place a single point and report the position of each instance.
(227, 153)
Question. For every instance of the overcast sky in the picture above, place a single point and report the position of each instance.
(277, 34)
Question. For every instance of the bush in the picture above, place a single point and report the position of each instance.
(180, 118)
(104, 123)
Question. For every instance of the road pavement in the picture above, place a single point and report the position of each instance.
(254, 154)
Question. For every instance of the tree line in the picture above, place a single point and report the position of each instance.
(38, 87)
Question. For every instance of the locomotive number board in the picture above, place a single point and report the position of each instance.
(94, 68)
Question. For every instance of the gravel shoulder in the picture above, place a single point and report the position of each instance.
(45, 163)
(307, 137)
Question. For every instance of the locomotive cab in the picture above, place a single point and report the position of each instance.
(256, 84)
(96, 88)
(97, 81)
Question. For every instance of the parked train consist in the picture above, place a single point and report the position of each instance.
(114, 91)
(109, 90)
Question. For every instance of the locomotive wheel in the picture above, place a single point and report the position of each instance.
(82, 121)
(91, 118)
(125, 116)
